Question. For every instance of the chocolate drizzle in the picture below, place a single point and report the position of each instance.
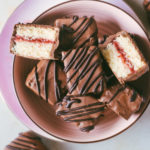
(81, 58)
(76, 38)
(57, 87)
(16, 148)
(82, 45)
(75, 19)
(37, 80)
(24, 143)
(21, 140)
(56, 84)
(29, 137)
(118, 91)
(45, 80)
(77, 33)
(86, 129)
(134, 96)
(74, 114)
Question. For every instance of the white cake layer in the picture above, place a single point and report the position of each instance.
(33, 50)
(131, 51)
(115, 62)
(37, 32)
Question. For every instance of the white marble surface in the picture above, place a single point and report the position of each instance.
(135, 138)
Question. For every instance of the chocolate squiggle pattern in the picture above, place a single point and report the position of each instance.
(24, 142)
(57, 87)
(79, 59)
(82, 28)
(81, 113)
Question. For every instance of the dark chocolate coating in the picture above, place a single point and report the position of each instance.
(123, 100)
(48, 80)
(26, 141)
(84, 71)
(77, 32)
(83, 111)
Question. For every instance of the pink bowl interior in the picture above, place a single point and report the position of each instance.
(109, 20)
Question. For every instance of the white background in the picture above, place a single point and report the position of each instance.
(136, 137)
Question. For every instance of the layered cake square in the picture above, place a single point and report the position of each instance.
(124, 57)
(35, 41)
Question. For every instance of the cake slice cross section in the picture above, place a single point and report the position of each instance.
(124, 57)
(35, 41)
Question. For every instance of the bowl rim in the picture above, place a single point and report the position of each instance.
(65, 139)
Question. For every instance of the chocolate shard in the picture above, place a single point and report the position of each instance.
(26, 141)
(48, 80)
(84, 71)
(83, 111)
(123, 100)
(77, 31)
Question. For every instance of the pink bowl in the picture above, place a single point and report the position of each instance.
(110, 19)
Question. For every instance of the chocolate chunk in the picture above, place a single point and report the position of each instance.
(26, 141)
(83, 111)
(77, 32)
(123, 100)
(84, 71)
(48, 80)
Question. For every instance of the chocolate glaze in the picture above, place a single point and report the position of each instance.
(84, 111)
(134, 96)
(49, 79)
(76, 38)
(56, 84)
(37, 81)
(86, 129)
(26, 141)
(76, 32)
(84, 71)
(123, 100)
(116, 93)
(45, 80)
